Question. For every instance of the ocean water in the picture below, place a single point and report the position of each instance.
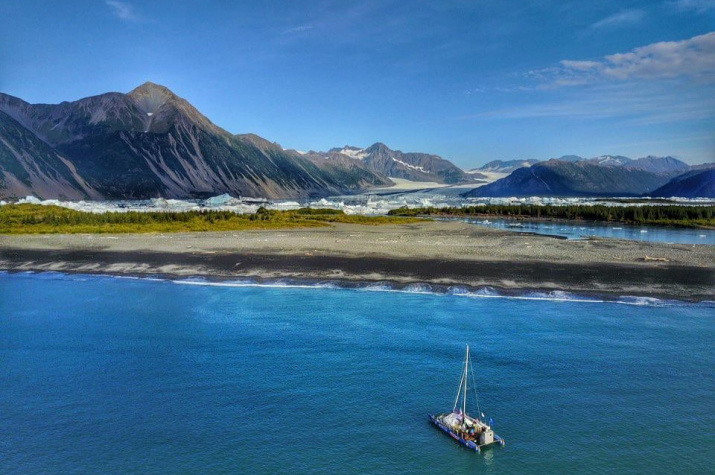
(583, 230)
(111, 375)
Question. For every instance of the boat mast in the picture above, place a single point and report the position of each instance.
(466, 375)
(459, 393)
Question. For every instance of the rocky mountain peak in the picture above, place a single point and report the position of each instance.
(149, 97)
(378, 147)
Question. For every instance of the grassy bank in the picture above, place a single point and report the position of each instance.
(683, 216)
(38, 219)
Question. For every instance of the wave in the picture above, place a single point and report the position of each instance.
(647, 301)
(378, 287)
(558, 296)
(415, 288)
(455, 291)
(418, 289)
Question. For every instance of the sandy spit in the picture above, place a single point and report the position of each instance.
(437, 253)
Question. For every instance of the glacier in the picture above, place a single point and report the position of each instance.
(368, 204)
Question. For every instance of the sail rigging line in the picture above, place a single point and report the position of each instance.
(474, 387)
(466, 382)
(459, 391)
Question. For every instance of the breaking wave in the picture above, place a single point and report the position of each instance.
(414, 288)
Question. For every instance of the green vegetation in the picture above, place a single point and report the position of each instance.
(683, 216)
(36, 219)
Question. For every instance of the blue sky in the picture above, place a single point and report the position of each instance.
(472, 81)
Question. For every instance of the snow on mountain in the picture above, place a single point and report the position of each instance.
(611, 160)
(414, 167)
(353, 152)
(421, 167)
(503, 166)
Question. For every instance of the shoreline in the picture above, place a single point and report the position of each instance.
(439, 254)
(457, 217)
(386, 286)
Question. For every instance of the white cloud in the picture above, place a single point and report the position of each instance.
(693, 58)
(581, 65)
(122, 10)
(623, 18)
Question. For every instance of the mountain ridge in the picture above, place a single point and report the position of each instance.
(150, 142)
(415, 166)
(695, 183)
(575, 178)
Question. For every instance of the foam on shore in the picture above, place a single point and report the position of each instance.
(421, 289)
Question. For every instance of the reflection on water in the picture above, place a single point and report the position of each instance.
(614, 231)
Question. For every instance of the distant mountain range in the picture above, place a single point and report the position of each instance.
(607, 175)
(150, 143)
(650, 163)
(409, 166)
(575, 176)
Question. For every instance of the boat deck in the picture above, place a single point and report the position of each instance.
(467, 441)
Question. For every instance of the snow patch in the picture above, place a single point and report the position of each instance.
(408, 165)
(358, 154)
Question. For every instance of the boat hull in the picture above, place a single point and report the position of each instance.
(469, 444)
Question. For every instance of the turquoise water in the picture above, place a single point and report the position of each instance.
(611, 230)
(108, 375)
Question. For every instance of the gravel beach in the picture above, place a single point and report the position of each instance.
(432, 252)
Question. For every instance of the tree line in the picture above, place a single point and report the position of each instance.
(664, 215)
(31, 218)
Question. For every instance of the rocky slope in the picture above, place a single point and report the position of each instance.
(30, 166)
(699, 183)
(149, 143)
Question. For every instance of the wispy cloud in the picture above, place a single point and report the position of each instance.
(620, 19)
(698, 6)
(122, 10)
(693, 59)
(631, 104)
(297, 29)
(474, 91)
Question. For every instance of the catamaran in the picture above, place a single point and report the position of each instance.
(472, 432)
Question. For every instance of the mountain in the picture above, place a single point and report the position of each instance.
(660, 165)
(698, 183)
(570, 158)
(579, 178)
(609, 160)
(410, 166)
(505, 166)
(148, 143)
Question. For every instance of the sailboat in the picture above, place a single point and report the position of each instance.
(472, 432)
